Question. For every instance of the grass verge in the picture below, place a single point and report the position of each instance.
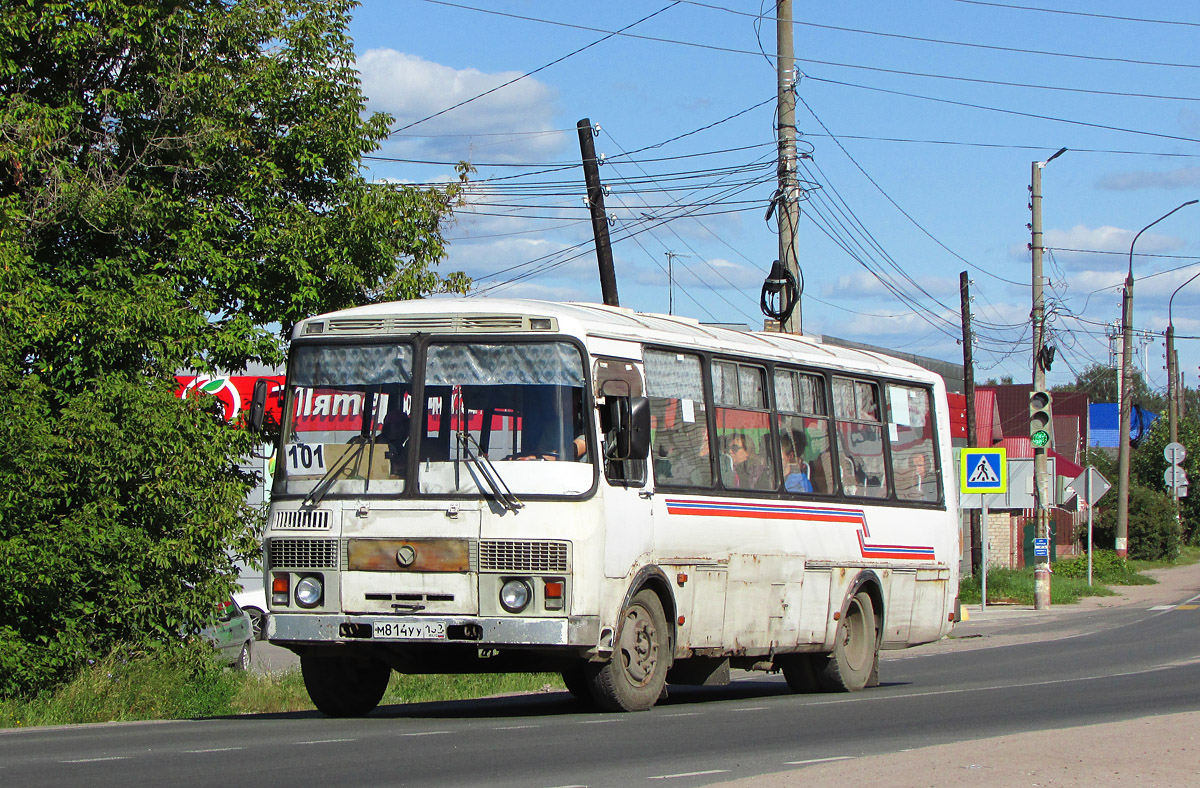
(166, 686)
(1069, 583)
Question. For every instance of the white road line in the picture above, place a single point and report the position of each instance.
(750, 708)
(687, 774)
(425, 733)
(515, 727)
(568, 786)
(683, 714)
(214, 749)
(323, 741)
(596, 722)
(811, 761)
(97, 760)
(1162, 607)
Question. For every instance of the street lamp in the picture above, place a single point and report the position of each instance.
(1126, 352)
(1172, 367)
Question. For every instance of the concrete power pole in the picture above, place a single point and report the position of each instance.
(1041, 480)
(788, 207)
(595, 194)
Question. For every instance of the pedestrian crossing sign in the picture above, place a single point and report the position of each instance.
(983, 471)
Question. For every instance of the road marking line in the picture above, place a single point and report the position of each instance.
(97, 760)
(687, 774)
(215, 749)
(323, 741)
(425, 733)
(515, 727)
(1163, 607)
(750, 708)
(683, 714)
(1187, 607)
(811, 761)
(595, 722)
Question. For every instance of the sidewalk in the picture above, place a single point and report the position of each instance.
(1156, 751)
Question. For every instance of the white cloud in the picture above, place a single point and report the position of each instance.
(514, 124)
(1076, 248)
(1182, 178)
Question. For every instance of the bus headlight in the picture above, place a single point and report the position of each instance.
(515, 595)
(308, 591)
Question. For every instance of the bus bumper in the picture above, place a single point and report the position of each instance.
(298, 628)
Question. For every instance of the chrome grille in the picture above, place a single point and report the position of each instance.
(303, 553)
(301, 521)
(512, 556)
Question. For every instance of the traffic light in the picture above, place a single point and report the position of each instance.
(1041, 420)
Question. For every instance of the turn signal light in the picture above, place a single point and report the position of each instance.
(280, 588)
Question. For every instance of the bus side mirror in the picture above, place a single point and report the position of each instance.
(629, 421)
(258, 405)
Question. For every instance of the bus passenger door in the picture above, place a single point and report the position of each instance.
(625, 488)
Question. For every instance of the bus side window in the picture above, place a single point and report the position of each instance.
(681, 450)
(860, 438)
(911, 435)
(803, 424)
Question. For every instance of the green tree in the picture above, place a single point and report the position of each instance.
(1099, 382)
(175, 179)
(1148, 463)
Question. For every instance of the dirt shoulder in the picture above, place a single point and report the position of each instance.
(1155, 751)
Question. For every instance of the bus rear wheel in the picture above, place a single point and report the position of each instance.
(634, 678)
(852, 662)
(344, 686)
(801, 671)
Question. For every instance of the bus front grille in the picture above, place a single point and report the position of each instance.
(517, 556)
(318, 520)
(303, 553)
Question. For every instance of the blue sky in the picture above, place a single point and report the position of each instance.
(922, 121)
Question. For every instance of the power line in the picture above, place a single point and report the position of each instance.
(1174, 22)
(529, 73)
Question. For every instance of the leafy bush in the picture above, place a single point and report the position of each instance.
(1107, 567)
(1153, 533)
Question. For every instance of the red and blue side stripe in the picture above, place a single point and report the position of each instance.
(765, 510)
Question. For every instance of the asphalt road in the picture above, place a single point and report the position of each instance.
(1001, 675)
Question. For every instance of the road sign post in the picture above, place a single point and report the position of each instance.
(983, 471)
(1091, 486)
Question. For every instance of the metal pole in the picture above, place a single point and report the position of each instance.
(1087, 486)
(788, 211)
(983, 549)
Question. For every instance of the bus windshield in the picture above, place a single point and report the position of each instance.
(346, 425)
(519, 406)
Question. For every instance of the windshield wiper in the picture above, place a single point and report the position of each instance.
(488, 472)
(325, 483)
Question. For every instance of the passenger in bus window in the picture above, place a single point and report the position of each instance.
(394, 431)
(795, 470)
(748, 469)
(913, 482)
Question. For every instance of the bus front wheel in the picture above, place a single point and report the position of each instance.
(852, 662)
(344, 686)
(634, 678)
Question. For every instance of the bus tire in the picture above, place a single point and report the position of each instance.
(801, 671)
(575, 679)
(344, 686)
(855, 646)
(634, 678)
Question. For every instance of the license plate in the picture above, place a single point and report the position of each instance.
(408, 630)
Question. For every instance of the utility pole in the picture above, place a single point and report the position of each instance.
(788, 207)
(1127, 349)
(972, 433)
(1041, 482)
(595, 197)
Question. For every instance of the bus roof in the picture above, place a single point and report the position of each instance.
(494, 315)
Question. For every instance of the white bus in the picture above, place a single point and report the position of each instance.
(478, 485)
